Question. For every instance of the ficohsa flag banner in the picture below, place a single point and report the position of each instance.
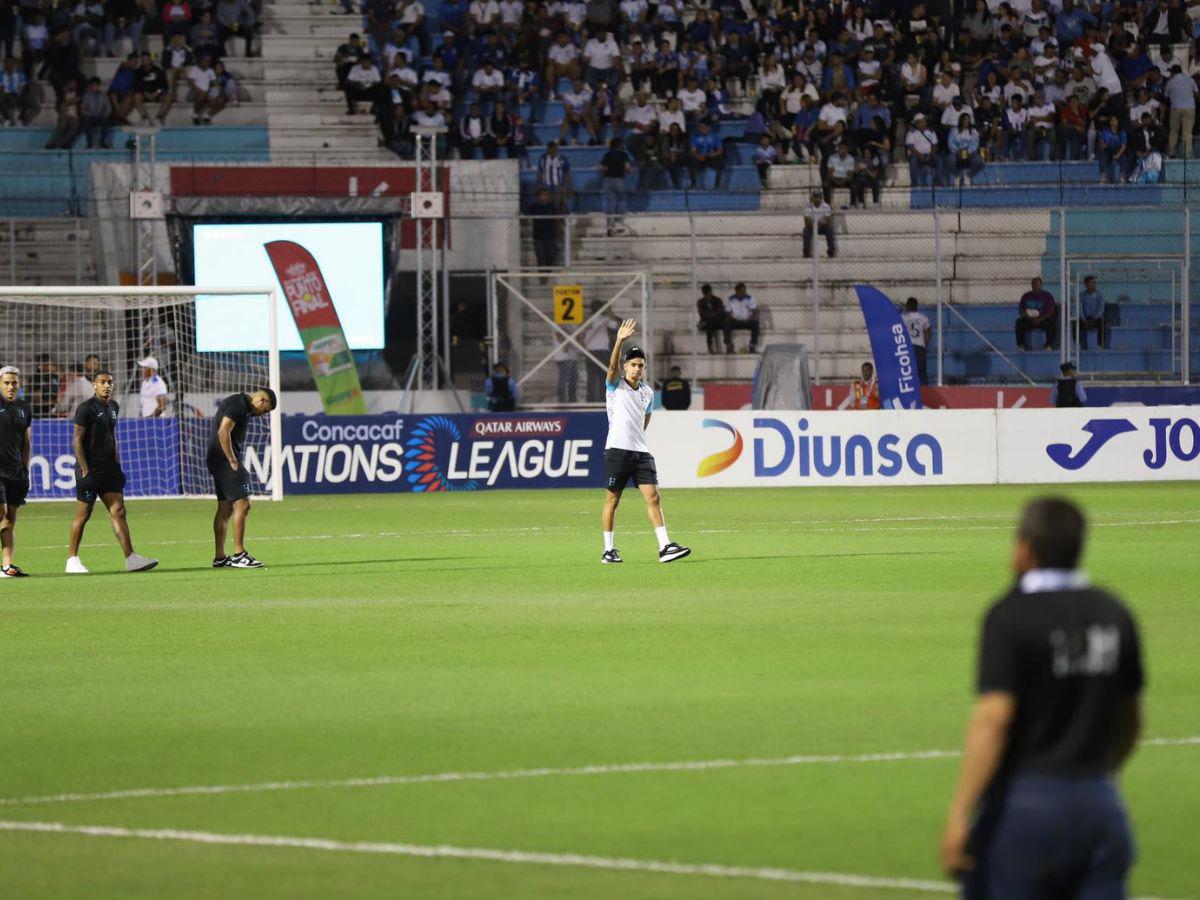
(892, 349)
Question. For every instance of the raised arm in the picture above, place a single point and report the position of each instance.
(628, 327)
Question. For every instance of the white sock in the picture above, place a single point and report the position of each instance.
(661, 533)
(609, 541)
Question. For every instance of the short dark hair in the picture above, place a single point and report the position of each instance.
(101, 372)
(270, 396)
(1054, 529)
(910, 303)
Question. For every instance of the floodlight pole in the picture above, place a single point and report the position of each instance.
(427, 208)
(145, 207)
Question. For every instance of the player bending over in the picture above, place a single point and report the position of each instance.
(14, 463)
(98, 473)
(626, 455)
(230, 477)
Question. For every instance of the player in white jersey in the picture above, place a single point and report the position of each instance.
(626, 455)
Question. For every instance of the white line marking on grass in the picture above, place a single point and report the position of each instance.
(700, 765)
(520, 857)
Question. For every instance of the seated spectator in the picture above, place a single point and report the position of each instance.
(362, 85)
(562, 61)
(1037, 311)
(804, 129)
(1094, 314)
(488, 82)
(472, 133)
(712, 317)
(206, 38)
(501, 389)
(87, 19)
(95, 115)
(176, 17)
(870, 170)
(124, 19)
(675, 154)
(1072, 130)
(150, 86)
(676, 392)
(765, 156)
(16, 98)
(965, 161)
(921, 144)
(866, 389)
(235, 19)
(639, 62)
(614, 166)
(1042, 115)
(177, 60)
(120, 89)
(602, 61)
(741, 314)
(664, 79)
(35, 41)
(500, 129)
(526, 89)
(410, 22)
(818, 214)
(203, 91)
(641, 126)
(578, 109)
(839, 170)
(1016, 129)
(706, 152)
(1112, 151)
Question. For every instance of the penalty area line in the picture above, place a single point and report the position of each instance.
(486, 854)
(699, 765)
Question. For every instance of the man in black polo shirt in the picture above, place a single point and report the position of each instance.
(230, 478)
(15, 420)
(98, 473)
(150, 86)
(1058, 712)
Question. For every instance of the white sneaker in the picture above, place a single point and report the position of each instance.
(135, 562)
(75, 566)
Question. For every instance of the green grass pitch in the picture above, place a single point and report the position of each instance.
(409, 635)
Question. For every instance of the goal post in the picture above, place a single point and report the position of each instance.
(59, 336)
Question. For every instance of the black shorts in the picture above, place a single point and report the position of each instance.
(622, 465)
(228, 484)
(13, 491)
(107, 481)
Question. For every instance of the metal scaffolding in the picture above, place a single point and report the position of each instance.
(428, 208)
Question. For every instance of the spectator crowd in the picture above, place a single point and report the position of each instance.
(173, 51)
(945, 85)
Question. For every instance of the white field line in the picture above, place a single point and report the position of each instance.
(822, 526)
(515, 774)
(520, 857)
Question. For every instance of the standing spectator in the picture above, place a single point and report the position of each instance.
(741, 314)
(919, 330)
(614, 166)
(676, 391)
(1112, 151)
(154, 390)
(1094, 314)
(712, 317)
(1036, 811)
(500, 389)
(566, 360)
(206, 39)
(707, 152)
(818, 215)
(545, 230)
(95, 116)
(1037, 311)
(44, 387)
(866, 389)
(150, 86)
(1180, 91)
(235, 19)
(554, 176)
(75, 389)
(1067, 392)
(16, 99)
(921, 143)
(61, 64)
(124, 20)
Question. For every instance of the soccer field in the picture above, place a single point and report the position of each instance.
(458, 671)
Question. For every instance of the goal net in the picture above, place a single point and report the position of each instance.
(60, 337)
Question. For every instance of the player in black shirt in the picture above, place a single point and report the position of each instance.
(231, 480)
(1058, 712)
(15, 419)
(98, 473)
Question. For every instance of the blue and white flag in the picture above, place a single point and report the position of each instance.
(895, 361)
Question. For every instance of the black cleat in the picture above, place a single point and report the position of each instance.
(14, 572)
(672, 552)
(221, 562)
(243, 560)
(611, 556)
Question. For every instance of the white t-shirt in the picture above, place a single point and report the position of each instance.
(943, 94)
(411, 13)
(740, 309)
(601, 54)
(485, 12)
(364, 77)
(831, 114)
(917, 324)
(691, 100)
(627, 410)
(152, 388)
(666, 117)
(1017, 118)
(561, 54)
(1040, 112)
(202, 78)
(577, 102)
(922, 142)
(483, 81)
(511, 12)
(640, 115)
